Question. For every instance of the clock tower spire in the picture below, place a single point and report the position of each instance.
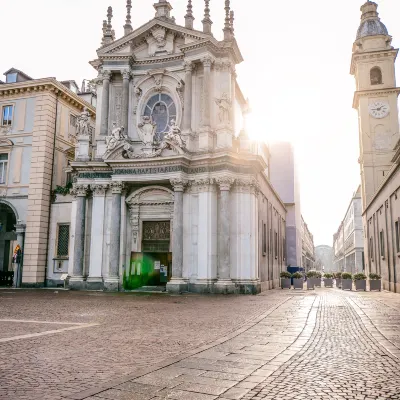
(375, 99)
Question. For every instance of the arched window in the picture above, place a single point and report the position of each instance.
(376, 76)
(162, 109)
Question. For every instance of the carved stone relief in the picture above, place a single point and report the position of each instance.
(118, 106)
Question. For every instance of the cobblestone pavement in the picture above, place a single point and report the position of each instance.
(326, 344)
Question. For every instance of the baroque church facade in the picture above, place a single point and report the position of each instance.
(170, 190)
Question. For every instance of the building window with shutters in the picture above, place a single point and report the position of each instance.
(62, 241)
(396, 227)
(3, 168)
(7, 115)
(276, 245)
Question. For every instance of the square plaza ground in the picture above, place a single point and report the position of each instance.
(278, 345)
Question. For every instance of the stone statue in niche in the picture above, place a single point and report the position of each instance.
(117, 136)
(83, 123)
(147, 130)
(175, 135)
(225, 106)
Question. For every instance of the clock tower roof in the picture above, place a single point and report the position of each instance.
(371, 24)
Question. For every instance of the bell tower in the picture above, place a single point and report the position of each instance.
(373, 66)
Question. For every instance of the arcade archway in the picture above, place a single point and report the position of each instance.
(8, 237)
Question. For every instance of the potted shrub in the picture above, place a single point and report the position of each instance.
(310, 280)
(328, 280)
(286, 282)
(338, 279)
(347, 281)
(298, 280)
(318, 277)
(360, 280)
(375, 282)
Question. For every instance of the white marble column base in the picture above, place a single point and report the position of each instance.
(177, 286)
(111, 284)
(224, 286)
(76, 283)
(95, 283)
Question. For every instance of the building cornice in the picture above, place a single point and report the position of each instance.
(373, 92)
(371, 55)
(37, 86)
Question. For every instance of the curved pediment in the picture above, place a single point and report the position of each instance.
(151, 195)
(6, 143)
(134, 151)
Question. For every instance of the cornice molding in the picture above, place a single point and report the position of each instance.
(38, 86)
(374, 92)
(371, 55)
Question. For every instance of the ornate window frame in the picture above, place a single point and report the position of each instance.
(137, 215)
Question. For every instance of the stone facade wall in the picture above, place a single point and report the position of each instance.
(382, 216)
(39, 189)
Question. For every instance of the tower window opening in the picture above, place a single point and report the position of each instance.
(376, 76)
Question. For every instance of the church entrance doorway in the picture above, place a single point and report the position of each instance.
(8, 239)
(153, 266)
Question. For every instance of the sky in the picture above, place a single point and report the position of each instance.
(296, 74)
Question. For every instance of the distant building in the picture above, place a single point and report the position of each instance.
(283, 175)
(348, 240)
(307, 248)
(37, 141)
(324, 258)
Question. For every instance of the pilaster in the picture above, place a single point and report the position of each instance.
(224, 283)
(207, 234)
(95, 279)
(76, 280)
(40, 178)
(111, 282)
(177, 284)
(206, 135)
(126, 76)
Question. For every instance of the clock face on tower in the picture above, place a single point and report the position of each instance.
(379, 109)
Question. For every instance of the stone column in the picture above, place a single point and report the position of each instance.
(224, 283)
(206, 90)
(126, 76)
(105, 103)
(111, 282)
(95, 280)
(206, 138)
(187, 117)
(177, 283)
(76, 280)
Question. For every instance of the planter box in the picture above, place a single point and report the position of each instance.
(361, 285)
(286, 283)
(328, 282)
(347, 284)
(339, 283)
(310, 284)
(317, 282)
(375, 285)
(298, 283)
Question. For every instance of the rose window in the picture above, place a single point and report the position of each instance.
(162, 109)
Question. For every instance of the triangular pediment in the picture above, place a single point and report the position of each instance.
(156, 29)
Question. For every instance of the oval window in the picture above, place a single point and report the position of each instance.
(161, 108)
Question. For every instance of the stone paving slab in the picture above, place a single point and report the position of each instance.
(324, 344)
